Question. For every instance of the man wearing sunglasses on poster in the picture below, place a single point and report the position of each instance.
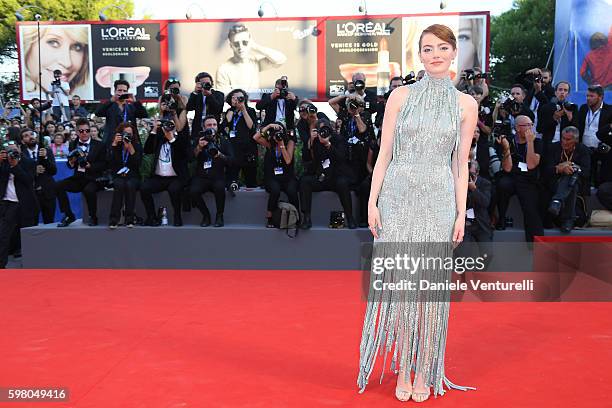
(242, 70)
(88, 159)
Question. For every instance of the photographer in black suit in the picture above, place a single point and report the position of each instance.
(44, 169)
(329, 171)
(567, 173)
(308, 117)
(88, 159)
(594, 119)
(169, 171)
(205, 101)
(280, 105)
(122, 107)
(477, 225)
(124, 157)
(213, 154)
(17, 200)
(556, 115)
(279, 174)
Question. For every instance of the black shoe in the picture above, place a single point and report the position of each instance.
(112, 225)
(555, 207)
(219, 220)
(93, 221)
(178, 221)
(566, 227)
(350, 222)
(306, 222)
(152, 222)
(129, 222)
(205, 220)
(66, 221)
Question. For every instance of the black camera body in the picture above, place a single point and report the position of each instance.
(469, 74)
(56, 82)
(240, 98)
(409, 79)
(501, 128)
(603, 148)
(355, 104)
(325, 131)
(174, 91)
(511, 105)
(127, 138)
(14, 154)
(81, 157)
(169, 101)
(167, 125)
(359, 85)
(482, 75)
(206, 86)
(565, 104)
(278, 135)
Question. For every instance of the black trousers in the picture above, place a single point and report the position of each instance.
(339, 184)
(364, 195)
(124, 191)
(9, 212)
(156, 184)
(604, 194)
(78, 184)
(200, 185)
(47, 204)
(274, 186)
(527, 191)
(245, 160)
(567, 195)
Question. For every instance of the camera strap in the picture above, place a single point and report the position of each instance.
(125, 155)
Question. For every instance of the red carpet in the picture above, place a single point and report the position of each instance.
(125, 338)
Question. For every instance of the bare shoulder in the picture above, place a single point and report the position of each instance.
(398, 97)
(468, 105)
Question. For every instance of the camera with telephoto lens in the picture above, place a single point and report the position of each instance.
(167, 125)
(325, 131)
(501, 128)
(127, 138)
(169, 101)
(80, 155)
(359, 85)
(409, 79)
(209, 135)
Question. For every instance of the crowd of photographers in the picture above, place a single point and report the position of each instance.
(534, 144)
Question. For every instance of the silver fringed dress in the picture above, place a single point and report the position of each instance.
(418, 211)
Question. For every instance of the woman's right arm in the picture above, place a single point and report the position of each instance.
(396, 99)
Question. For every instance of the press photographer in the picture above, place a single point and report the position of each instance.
(213, 154)
(35, 114)
(357, 132)
(329, 172)
(514, 106)
(594, 118)
(566, 176)
(356, 86)
(280, 105)
(88, 159)
(556, 115)
(521, 164)
(477, 226)
(239, 124)
(279, 174)
(171, 108)
(122, 107)
(44, 168)
(205, 101)
(473, 77)
(308, 117)
(394, 83)
(169, 171)
(18, 202)
(59, 91)
(539, 89)
(124, 157)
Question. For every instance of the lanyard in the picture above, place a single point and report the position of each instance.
(593, 117)
(125, 113)
(235, 120)
(567, 158)
(125, 155)
(278, 156)
(353, 127)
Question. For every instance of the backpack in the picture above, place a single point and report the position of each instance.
(286, 217)
(582, 212)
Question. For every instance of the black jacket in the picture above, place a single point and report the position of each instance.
(479, 200)
(24, 189)
(218, 164)
(114, 156)
(96, 157)
(243, 141)
(179, 151)
(115, 115)
(581, 156)
(44, 180)
(605, 118)
(336, 154)
(214, 106)
(267, 104)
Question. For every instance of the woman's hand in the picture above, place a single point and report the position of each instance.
(118, 139)
(374, 220)
(458, 231)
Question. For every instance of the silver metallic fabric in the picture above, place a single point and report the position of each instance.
(418, 211)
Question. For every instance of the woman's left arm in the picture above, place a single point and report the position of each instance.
(460, 158)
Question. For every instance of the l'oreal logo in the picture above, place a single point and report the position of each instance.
(125, 33)
(351, 29)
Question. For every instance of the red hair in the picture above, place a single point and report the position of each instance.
(442, 32)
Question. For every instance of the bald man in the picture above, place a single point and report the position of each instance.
(522, 178)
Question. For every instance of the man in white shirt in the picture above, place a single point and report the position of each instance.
(242, 70)
(59, 91)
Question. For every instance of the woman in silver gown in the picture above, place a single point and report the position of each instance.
(417, 207)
